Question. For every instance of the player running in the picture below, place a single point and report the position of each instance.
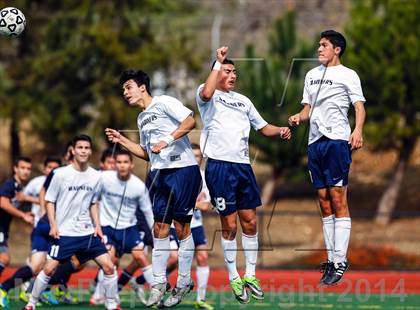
(227, 116)
(163, 125)
(121, 194)
(74, 220)
(329, 90)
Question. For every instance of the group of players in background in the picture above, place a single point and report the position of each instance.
(88, 214)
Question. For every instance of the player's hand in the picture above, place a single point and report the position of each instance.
(28, 217)
(20, 196)
(201, 197)
(113, 135)
(285, 133)
(294, 120)
(159, 147)
(54, 232)
(221, 53)
(98, 232)
(356, 140)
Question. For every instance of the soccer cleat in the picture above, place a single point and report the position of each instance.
(239, 290)
(65, 297)
(4, 299)
(29, 307)
(48, 298)
(24, 296)
(326, 269)
(202, 304)
(253, 284)
(337, 273)
(177, 294)
(156, 294)
(139, 289)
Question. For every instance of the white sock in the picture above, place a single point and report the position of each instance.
(341, 239)
(229, 250)
(202, 280)
(110, 284)
(250, 246)
(160, 255)
(40, 285)
(185, 257)
(99, 289)
(148, 274)
(328, 224)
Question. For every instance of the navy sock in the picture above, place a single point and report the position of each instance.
(21, 275)
(62, 274)
(141, 279)
(124, 279)
(1, 268)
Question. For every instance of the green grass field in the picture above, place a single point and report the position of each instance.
(224, 300)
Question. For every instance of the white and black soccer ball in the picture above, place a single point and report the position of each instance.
(12, 22)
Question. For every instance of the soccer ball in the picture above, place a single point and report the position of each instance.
(12, 22)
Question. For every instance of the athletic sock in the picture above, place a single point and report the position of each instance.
(40, 285)
(20, 276)
(185, 257)
(250, 246)
(124, 278)
(202, 280)
(148, 274)
(110, 284)
(328, 227)
(141, 279)
(160, 255)
(63, 273)
(99, 287)
(229, 250)
(341, 239)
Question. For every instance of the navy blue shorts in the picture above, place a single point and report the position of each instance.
(198, 235)
(4, 235)
(123, 240)
(85, 248)
(174, 193)
(40, 237)
(145, 232)
(232, 186)
(329, 162)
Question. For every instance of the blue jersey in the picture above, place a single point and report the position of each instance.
(9, 189)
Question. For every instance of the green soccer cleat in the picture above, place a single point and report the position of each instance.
(4, 299)
(239, 290)
(254, 286)
(48, 298)
(65, 297)
(202, 304)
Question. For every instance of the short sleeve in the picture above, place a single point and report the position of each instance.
(255, 118)
(30, 189)
(53, 189)
(48, 180)
(354, 89)
(175, 109)
(305, 97)
(8, 189)
(198, 97)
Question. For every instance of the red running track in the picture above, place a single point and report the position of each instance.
(304, 281)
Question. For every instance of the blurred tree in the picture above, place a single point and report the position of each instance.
(385, 53)
(264, 81)
(65, 73)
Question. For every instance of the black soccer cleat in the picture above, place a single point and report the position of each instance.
(326, 269)
(337, 273)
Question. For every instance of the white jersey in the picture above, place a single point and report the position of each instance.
(119, 201)
(73, 192)
(162, 117)
(227, 118)
(33, 189)
(338, 88)
(197, 219)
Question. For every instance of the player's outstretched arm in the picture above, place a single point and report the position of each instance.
(184, 128)
(54, 233)
(272, 131)
(7, 206)
(302, 116)
(356, 138)
(116, 137)
(211, 82)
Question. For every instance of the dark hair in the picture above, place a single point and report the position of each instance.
(123, 152)
(336, 39)
(66, 150)
(140, 77)
(195, 146)
(21, 158)
(227, 61)
(52, 160)
(81, 137)
(109, 152)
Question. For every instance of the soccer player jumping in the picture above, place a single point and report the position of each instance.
(328, 92)
(227, 116)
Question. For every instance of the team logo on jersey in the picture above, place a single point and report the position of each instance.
(320, 81)
(81, 188)
(235, 104)
(148, 120)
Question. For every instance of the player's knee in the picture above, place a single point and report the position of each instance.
(202, 258)
(49, 270)
(108, 268)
